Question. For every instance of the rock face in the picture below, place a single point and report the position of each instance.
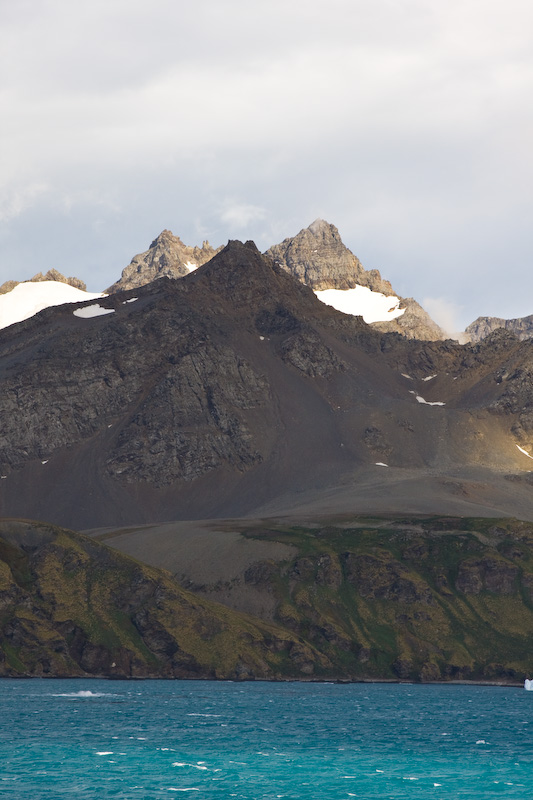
(522, 327)
(415, 323)
(70, 606)
(416, 598)
(234, 386)
(167, 257)
(51, 275)
(317, 257)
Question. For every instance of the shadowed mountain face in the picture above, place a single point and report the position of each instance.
(234, 389)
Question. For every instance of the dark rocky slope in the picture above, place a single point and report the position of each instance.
(233, 388)
(70, 606)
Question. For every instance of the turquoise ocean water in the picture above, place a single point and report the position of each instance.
(215, 740)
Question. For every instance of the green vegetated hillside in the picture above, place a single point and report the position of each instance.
(70, 606)
(418, 599)
(428, 599)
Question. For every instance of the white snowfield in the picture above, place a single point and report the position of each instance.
(28, 299)
(362, 302)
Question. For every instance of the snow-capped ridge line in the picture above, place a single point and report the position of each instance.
(27, 299)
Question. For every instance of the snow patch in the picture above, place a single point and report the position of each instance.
(426, 402)
(131, 300)
(27, 299)
(524, 451)
(381, 464)
(362, 302)
(191, 266)
(92, 311)
(404, 375)
(429, 377)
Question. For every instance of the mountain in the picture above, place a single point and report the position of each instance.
(234, 391)
(522, 327)
(73, 607)
(317, 257)
(167, 257)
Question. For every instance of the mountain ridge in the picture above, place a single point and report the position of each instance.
(221, 392)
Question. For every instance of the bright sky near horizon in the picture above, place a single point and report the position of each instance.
(408, 124)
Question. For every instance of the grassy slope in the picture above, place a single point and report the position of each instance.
(423, 598)
(71, 606)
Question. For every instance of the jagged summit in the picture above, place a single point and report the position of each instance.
(168, 257)
(318, 257)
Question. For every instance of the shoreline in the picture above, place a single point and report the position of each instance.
(334, 681)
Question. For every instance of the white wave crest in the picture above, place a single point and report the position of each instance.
(83, 693)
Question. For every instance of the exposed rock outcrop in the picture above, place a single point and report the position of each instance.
(167, 257)
(522, 327)
(51, 275)
(415, 323)
(318, 257)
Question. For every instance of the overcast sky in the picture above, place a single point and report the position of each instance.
(406, 123)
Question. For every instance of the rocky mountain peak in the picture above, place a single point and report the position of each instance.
(318, 257)
(51, 275)
(522, 327)
(168, 257)
(242, 277)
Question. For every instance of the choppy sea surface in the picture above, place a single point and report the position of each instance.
(152, 739)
